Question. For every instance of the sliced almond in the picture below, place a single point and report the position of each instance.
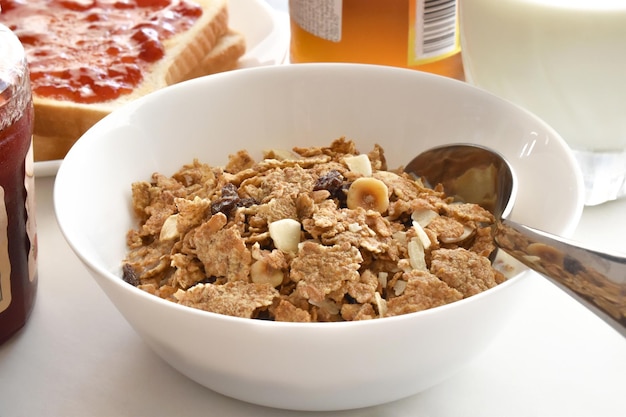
(467, 232)
(327, 305)
(382, 278)
(381, 304)
(416, 254)
(279, 154)
(424, 216)
(398, 287)
(421, 234)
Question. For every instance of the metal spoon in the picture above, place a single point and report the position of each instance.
(476, 174)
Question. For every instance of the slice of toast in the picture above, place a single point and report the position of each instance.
(183, 52)
(207, 47)
(223, 56)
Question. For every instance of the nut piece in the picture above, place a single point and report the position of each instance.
(286, 234)
(279, 154)
(467, 232)
(416, 254)
(368, 193)
(424, 216)
(381, 303)
(359, 164)
(262, 273)
(169, 230)
(421, 234)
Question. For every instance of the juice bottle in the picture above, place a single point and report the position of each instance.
(18, 278)
(417, 34)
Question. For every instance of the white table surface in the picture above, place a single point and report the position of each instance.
(77, 356)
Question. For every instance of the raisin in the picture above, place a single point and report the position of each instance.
(246, 202)
(208, 280)
(332, 181)
(263, 315)
(129, 275)
(230, 200)
(224, 205)
(342, 194)
(349, 299)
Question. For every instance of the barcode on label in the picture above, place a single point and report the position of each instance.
(433, 30)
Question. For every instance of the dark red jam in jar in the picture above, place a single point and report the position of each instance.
(18, 242)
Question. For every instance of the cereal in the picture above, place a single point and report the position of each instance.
(316, 234)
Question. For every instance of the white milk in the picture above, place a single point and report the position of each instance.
(564, 60)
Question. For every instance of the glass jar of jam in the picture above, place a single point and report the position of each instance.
(417, 34)
(18, 243)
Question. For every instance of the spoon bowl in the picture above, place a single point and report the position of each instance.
(477, 174)
(471, 173)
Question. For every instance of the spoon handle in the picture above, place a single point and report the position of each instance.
(596, 279)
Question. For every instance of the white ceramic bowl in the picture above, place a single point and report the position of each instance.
(313, 366)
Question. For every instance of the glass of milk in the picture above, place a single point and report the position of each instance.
(565, 61)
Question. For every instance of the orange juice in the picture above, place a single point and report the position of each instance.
(417, 34)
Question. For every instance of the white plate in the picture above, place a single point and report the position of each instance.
(267, 42)
(266, 31)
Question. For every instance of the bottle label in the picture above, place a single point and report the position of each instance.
(321, 18)
(5, 262)
(433, 30)
(433, 26)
